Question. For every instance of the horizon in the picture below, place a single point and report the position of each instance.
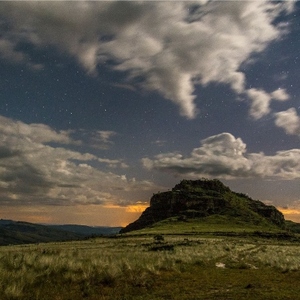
(105, 103)
(282, 210)
(293, 216)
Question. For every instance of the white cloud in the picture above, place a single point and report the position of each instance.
(168, 44)
(225, 156)
(260, 105)
(37, 133)
(289, 120)
(280, 95)
(32, 171)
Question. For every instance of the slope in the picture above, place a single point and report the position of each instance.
(13, 233)
(207, 202)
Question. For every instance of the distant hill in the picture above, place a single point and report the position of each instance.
(87, 230)
(200, 200)
(13, 232)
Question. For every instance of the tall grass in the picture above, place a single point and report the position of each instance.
(105, 262)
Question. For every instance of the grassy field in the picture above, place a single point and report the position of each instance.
(210, 224)
(152, 267)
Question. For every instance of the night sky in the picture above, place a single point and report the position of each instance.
(103, 104)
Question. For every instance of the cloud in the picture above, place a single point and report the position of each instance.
(289, 121)
(169, 46)
(260, 105)
(36, 133)
(34, 171)
(99, 139)
(113, 163)
(225, 156)
(261, 100)
(280, 95)
(160, 143)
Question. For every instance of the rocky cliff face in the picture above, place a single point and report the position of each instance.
(201, 198)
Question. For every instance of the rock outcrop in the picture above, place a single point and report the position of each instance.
(201, 198)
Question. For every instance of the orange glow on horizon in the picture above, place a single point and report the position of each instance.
(292, 214)
(95, 215)
(91, 215)
(289, 211)
(137, 208)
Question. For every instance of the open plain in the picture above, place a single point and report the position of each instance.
(144, 265)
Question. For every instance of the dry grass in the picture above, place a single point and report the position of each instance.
(100, 268)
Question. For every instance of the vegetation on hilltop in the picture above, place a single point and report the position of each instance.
(199, 199)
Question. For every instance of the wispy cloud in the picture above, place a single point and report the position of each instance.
(225, 156)
(99, 139)
(159, 143)
(172, 45)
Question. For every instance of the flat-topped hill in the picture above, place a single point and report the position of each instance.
(199, 200)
